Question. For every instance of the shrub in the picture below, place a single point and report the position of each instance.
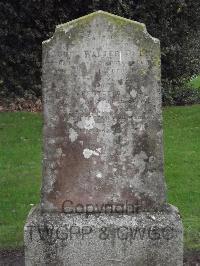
(180, 93)
(24, 24)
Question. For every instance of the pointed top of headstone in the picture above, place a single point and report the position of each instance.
(104, 14)
(118, 21)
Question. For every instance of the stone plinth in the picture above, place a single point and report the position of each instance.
(146, 239)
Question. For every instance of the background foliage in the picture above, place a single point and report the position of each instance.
(24, 24)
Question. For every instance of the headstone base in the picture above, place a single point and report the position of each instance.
(104, 239)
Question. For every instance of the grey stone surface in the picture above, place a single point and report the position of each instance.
(103, 147)
(153, 239)
(102, 113)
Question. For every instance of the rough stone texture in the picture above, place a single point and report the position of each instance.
(152, 239)
(102, 113)
(103, 147)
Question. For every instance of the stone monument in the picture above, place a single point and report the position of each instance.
(103, 199)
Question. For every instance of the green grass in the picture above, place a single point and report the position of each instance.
(20, 170)
(20, 173)
(182, 166)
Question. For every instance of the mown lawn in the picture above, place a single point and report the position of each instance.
(20, 170)
(182, 166)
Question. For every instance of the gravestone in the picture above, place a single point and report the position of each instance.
(103, 199)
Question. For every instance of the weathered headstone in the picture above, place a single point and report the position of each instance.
(103, 154)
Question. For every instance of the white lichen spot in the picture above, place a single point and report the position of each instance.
(137, 120)
(141, 127)
(99, 175)
(129, 113)
(87, 153)
(116, 103)
(86, 122)
(122, 157)
(159, 133)
(122, 90)
(99, 150)
(71, 120)
(139, 161)
(59, 152)
(82, 101)
(114, 170)
(72, 135)
(143, 89)
(103, 107)
(143, 155)
(120, 57)
(99, 126)
(133, 93)
(83, 104)
(67, 110)
(52, 141)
